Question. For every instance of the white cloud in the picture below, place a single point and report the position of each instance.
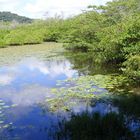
(6, 79)
(8, 76)
(34, 93)
(29, 95)
(9, 5)
(53, 68)
(67, 7)
(36, 8)
(5, 1)
(34, 64)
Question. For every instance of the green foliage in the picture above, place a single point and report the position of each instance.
(34, 33)
(132, 67)
(111, 33)
(112, 30)
(3, 33)
(80, 46)
(120, 40)
(131, 41)
(24, 35)
(52, 33)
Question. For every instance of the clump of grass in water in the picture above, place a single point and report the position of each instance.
(87, 126)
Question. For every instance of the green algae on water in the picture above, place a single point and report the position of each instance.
(41, 51)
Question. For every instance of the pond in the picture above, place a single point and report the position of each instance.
(39, 86)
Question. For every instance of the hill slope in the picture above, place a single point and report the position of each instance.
(8, 17)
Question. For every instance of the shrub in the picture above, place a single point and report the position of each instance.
(80, 46)
(132, 67)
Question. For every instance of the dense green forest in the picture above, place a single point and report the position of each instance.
(9, 17)
(109, 33)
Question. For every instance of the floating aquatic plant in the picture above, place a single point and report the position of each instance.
(73, 91)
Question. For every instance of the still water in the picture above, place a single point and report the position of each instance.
(27, 74)
(25, 80)
(24, 85)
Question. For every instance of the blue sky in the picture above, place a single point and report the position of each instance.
(38, 8)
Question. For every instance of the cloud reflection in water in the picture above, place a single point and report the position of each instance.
(29, 81)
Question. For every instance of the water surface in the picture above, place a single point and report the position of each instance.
(28, 74)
